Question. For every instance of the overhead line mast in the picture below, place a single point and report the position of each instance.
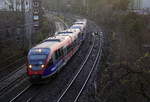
(36, 13)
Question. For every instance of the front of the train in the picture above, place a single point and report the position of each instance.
(37, 62)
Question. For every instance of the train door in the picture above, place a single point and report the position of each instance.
(62, 52)
(83, 34)
(65, 52)
(56, 56)
(50, 62)
(53, 58)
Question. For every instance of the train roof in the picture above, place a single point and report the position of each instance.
(54, 42)
(79, 24)
(81, 21)
(73, 30)
(64, 32)
(76, 26)
(69, 32)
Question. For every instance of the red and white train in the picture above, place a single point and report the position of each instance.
(48, 57)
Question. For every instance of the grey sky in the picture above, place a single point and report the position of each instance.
(1, 3)
(146, 3)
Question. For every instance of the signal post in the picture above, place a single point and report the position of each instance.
(36, 14)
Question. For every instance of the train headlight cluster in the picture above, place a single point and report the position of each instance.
(40, 50)
(30, 66)
(42, 66)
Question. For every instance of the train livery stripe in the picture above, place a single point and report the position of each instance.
(52, 68)
(58, 64)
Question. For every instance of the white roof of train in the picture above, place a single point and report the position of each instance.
(79, 23)
(77, 26)
(81, 20)
(54, 42)
(69, 32)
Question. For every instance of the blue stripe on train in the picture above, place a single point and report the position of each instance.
(51, 69)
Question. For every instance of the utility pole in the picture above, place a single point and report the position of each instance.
(28, 21)
(24, 22)
(138, 4)
(58, 7)
(87, 7)
(36, 13)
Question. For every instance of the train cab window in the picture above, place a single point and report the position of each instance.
(37, 59)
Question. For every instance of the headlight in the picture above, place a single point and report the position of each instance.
(42, 66)
(40, 50)
(30, 66)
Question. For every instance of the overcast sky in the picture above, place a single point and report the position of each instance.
(146, 3)
(1, 3)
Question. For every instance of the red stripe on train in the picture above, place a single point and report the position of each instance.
(31, 72)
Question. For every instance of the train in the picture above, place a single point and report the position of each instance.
(47, 58)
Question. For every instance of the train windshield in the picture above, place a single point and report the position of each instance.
(37, 59)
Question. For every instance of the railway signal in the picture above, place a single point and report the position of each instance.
(36, 13)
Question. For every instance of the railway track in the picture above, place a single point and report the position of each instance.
(29, 87)
(12, 80)
(10, 74)
(10, 61)
(77, 85)
(11, 68)
(6, 87)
